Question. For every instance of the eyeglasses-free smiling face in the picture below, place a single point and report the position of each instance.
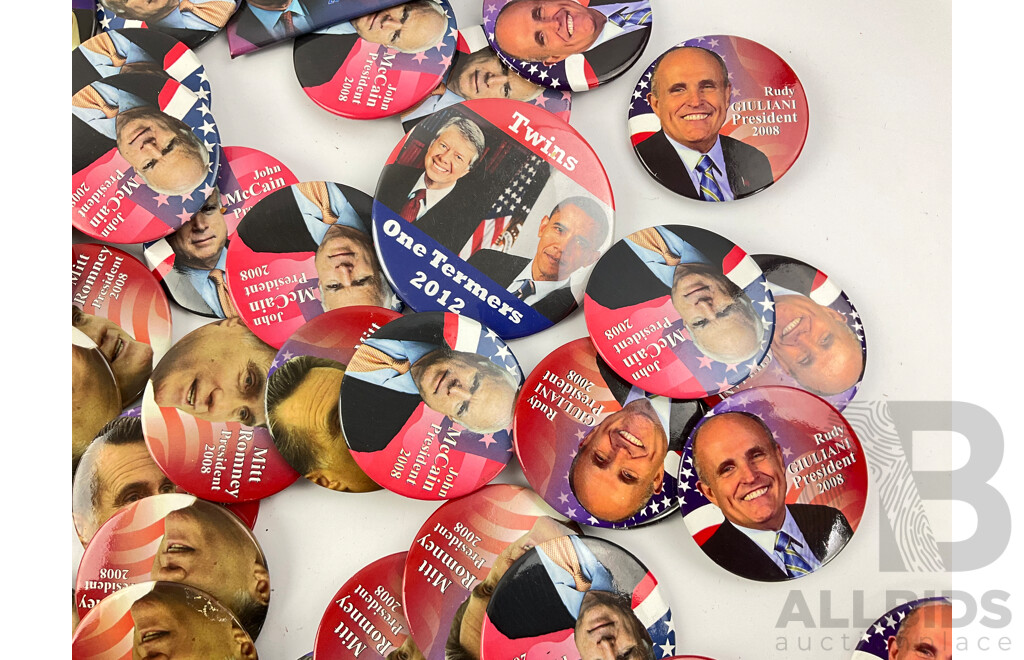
(546, 31)
(690, 97)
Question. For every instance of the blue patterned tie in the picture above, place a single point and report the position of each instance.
(525, 290)
(795, 564)
(709, 190)
(627, 16)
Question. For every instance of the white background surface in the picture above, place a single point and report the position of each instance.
(869, 202)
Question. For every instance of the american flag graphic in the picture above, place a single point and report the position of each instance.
(874, 641)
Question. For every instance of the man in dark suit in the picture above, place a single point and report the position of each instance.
(430, 197)
(550, 31)
(690, 94)
(570, 239)
(741, 471)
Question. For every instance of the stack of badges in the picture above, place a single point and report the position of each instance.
(718, 118)
(426, 405)
(299, 252)
(597, 449)
(303, 410)
(178, 538)
(380, 64)
(459, 555)
(145, 156)
(778, 482)
(461, 200)
(192, 22)
(191, 262)
(564, 44)
(151, 619)
(577, 597)
(478, 73)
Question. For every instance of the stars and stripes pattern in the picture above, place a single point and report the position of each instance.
(513, 204)
(873, 642)
(651, 608)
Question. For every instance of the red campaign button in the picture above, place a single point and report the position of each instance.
(595, 40)
(478, 73)
(303, 390)
(426, 405)
(366, 618)
(679, 311)
(190, 261)
(756, 124)
(119, 304)
(797, 507)
(301, 251)
(177, 538)
(367, 68)
(461, 552)
(553, 600)
(496, 210)
(113, 630)
(124, 189)
(579, 426)
(192, 26)
(819, 344)
(204, 415)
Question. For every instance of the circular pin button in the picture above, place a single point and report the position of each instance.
(160, 617)
(192, 23)
(744, 132)
(556, 600)
(126, 187)
(925, 623)
(178, 538)
(366, 618)
(598, 450)
(568, 45)
(302, 396)
(95, 395)
(83, 21)
(204, 415)
(426, 405)
(379, 64)
(496, 210)
(191, 262)
(137, 50)
(679, 311)
(483, 533)
(118, 303)
(787, 513)
(478, 73)
(301, 251)
(819, 341)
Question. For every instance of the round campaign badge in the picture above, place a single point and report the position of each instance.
(379, 64)
(737, 135)
(569, 44)
(679, 311)
(145, 157)
(120, 305)
(458, 556)
(137, 50)
(776, 482)
(426, 405)
(95, 396)
(921, 626)
(302, 251)
(191, 262)
(154, 619)
(597, 449)
(188, 21)
(366, 618)
(302, 396)
(496, 210)
(478, 73)
(83, 21)
(178, 538)
(574, 597)
(204, 415)
(819, 341)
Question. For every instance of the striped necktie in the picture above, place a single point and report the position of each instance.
(795, 564)
(369, 358)
(316, 192)
(709, 190)
(625, 17)
(214, 12)
(562, 552)
(102, 44)
(223, 296)
(89, 98)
